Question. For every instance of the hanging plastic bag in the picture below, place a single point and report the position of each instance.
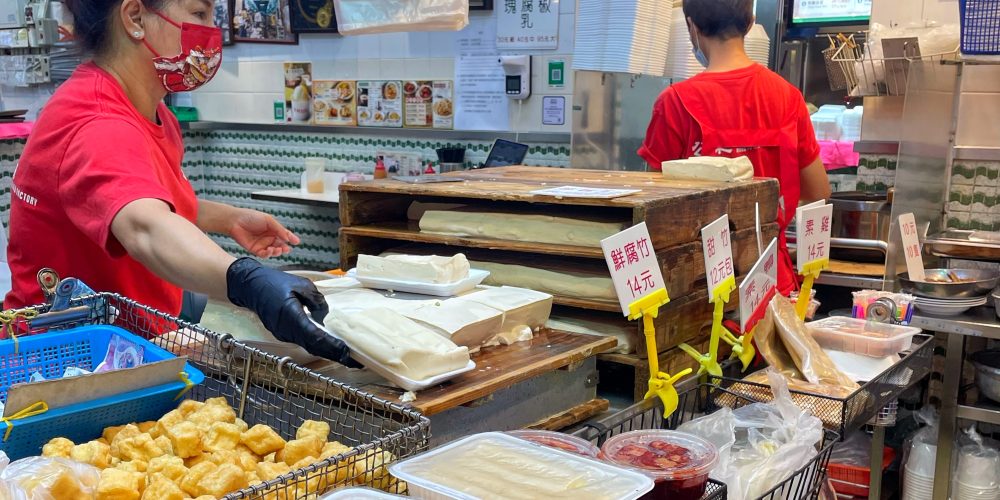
(360, 17)
(977, 471)
(760, 444)
(42, 478)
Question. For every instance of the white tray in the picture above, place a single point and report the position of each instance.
(428, 490)
(476, 276)
(357, 494)
(401, 381)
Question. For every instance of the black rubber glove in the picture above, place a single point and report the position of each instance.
(278, 299)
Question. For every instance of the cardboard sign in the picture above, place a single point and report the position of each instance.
(633, 264)
(759, 287)
(812, 225)
(911, 247)
(718, 251)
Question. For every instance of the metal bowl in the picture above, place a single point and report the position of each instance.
(982, 281)
(988, 372)
(996, 301)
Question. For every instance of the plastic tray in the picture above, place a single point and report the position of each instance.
(637, 484)
(476, 276)
(358, 494)
(877, 340)
(84, 347)
(406, 383)
(853, 480)
(648, 414)
(854, 411)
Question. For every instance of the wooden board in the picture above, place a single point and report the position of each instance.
(857, 268)
(675, 211)
(503, 366)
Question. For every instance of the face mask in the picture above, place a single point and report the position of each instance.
(698, 54)
(198, 61)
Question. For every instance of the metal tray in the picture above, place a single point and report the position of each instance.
(693, 403)
(958, 245)
(844, 415)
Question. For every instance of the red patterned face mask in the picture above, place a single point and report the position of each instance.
(199, 60)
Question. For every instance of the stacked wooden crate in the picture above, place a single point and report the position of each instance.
(374, 219)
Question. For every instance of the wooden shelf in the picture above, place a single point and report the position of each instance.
(596, 305)
(403, 231)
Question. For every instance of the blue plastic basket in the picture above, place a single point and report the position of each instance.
(84, 347)
(980, 26)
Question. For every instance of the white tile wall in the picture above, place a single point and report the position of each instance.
(30, 98)
(902, 12)
(250, 79)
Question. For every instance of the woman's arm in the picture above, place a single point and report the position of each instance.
(216, 217)
(813, 182)
(257, 232)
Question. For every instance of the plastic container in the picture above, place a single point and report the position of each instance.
(679, 462)
(559, 441)
(358, 494)
(853, 480)
(862, 337)
(980, 21)
(542, 472)
(84, 347)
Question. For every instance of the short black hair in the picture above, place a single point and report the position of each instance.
(92, 21)
(722, 19)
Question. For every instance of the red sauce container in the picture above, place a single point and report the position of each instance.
(678, 462)
(559, 441)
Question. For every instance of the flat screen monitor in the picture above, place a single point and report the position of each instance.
(820, 12)
(505, 153)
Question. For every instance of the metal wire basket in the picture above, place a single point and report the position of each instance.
(648, 414)
(860, 407)
(266, 389)
(870, 76)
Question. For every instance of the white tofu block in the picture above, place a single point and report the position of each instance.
(521, 307)
(415, 268)
(463, 322)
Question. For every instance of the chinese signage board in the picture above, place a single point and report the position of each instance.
(527, 24)
(759, 287)
(812, 225)
(633, 264)
(718, 251)
(911, 247)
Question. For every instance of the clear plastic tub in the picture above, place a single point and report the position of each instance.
(679, 462)
(358, 494)
(559, 441)
(496, 465)
(862, 337)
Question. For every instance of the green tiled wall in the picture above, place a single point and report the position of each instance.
(973, 201)
(876, 173)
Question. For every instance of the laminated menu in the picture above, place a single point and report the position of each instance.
(428, 104)
(380, 103)
(333, 102)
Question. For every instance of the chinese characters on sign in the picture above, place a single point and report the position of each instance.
(813, 223)
(528, 24)
(633, 265)
(718, 258)
(911, 247)
(759, 287)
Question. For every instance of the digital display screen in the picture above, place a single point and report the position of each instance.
(830, 11)
(506, 153)
(513, 85)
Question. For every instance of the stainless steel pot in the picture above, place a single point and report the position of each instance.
(988, 373)
(860, 216)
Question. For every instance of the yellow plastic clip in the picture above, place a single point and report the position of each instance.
(8, 320)
(810, 272)
(743, 348)
(709, 361)
(35, 409)
(660, 384)
(187, 385)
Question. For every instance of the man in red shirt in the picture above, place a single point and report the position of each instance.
(737, 107)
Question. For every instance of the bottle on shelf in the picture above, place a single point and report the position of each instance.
(380, 172)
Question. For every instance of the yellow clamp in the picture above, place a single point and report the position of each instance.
(187, 385)
(8, 320)
(660, 384)
(742, 347)
(810, 272)
(35, 409)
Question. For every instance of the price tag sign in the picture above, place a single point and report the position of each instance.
(718, 251)
(633, 265)
(759, 287)
(812, 225)
(911, 247)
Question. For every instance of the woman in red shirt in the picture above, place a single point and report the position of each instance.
(99, 193)
(737, 107)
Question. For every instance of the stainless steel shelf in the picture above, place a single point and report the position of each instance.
(453, 135)
(850, 281)
(979, 322)
(982, 414)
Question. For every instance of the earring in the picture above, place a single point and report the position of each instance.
(137, 34)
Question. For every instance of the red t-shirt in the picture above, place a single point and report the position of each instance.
(756, 98)
(90, 154)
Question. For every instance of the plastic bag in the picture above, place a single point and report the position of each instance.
(855, 450)
(359, 17)
(760, 444)
(977, 470)
(42, 478)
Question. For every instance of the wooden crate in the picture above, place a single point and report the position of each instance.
(374, 219)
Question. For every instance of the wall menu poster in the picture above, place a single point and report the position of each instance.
(418, 99)
(313, 16)
(444, 105)
(380, 103)
(333, 102)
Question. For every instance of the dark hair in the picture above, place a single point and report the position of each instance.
(92, 21)
(722, 19)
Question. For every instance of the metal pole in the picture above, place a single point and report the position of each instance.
(949, 410)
